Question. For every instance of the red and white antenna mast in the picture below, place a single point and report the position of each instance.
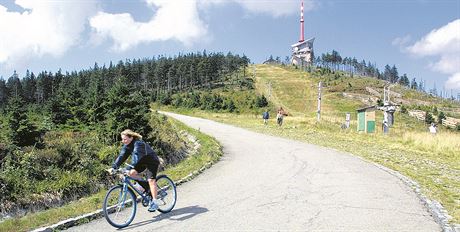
(301, 24)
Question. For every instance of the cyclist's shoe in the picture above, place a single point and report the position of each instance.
(152, 206)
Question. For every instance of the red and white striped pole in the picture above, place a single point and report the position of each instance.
(301, 24)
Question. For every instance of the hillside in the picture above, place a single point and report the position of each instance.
(298, 92)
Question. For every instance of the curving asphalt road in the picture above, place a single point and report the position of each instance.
(265, 183)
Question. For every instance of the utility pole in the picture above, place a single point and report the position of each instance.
(269, 89)
(319, 101)
(386, 94)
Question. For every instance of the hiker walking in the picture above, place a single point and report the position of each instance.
(266, 116)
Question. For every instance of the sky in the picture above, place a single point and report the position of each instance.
(420, 37)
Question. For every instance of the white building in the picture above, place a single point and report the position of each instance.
(302, 53)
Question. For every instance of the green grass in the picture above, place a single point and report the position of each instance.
(209, 151)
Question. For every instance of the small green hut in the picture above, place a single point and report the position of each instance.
(366, 119)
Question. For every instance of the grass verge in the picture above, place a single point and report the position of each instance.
(209, 151)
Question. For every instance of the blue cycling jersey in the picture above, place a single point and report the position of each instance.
(138, 149)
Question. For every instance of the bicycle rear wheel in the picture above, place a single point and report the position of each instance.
(166, 194)
(119, 206)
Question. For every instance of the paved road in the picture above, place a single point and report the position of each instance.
(267, 183)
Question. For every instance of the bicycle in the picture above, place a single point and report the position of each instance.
(120, 202)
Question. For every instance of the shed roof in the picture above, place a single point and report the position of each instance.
(366, 108)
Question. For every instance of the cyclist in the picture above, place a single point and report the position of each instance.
(143, 158)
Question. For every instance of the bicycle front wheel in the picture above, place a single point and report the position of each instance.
(166, 194)
(119, 206)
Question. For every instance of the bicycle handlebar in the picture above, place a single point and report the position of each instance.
(113, 171)
(122, 172)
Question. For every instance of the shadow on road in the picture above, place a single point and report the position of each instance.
(175, 215)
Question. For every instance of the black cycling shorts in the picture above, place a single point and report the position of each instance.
(149, 163)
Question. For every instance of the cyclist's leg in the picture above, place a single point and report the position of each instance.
(151, 172)
(141, 166)
(134, 173)
(153, 188)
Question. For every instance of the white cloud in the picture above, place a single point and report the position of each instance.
(454, 81)
(43, 28)
(173, 20)
(443, 43)
(439, 41)
(275, 8)
(448, 64)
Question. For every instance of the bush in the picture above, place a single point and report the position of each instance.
(403, 110)
(428, 118)
(165, 99)
(194, 100)
(68, 166)
(230, 105)
(3, 189)
(106, 155)
(441, 116)
(177, 100)
(261, 101)
(164, 139)
(3, 152)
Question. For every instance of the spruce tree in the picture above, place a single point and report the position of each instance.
(23, 132)
(128, 110)
(428, 118)
(261, 101)
(441, 116)
(3, 93)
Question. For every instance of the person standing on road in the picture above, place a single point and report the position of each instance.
(143, 158)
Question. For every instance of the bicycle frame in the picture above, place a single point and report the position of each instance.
(127, 182)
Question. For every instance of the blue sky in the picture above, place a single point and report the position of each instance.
(420, 37)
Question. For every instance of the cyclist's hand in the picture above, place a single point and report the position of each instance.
(129, 167)
(111, 171)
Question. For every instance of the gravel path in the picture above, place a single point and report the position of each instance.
(266, 183)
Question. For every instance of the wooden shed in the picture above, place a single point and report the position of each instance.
(366, 119)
